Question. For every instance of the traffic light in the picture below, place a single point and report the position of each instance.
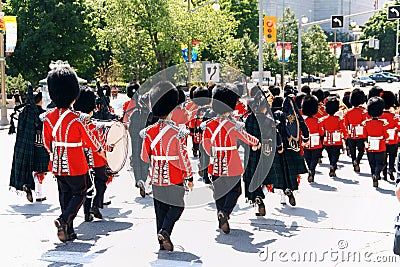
(270, 29)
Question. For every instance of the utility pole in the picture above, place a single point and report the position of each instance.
(4, 120)
(189, 50)
(260, 43)
(334, 59)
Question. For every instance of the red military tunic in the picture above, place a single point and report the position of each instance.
(180, 116)
(334, 130)
(240, 110)
(376, 132)
(127, 108)
(393, 126)
(164, 145)
(220, 142)
(68, 158)
(194, 125)
(191, 108)
(353, 120)
(94, 159)
(321, 111)
(316, 132)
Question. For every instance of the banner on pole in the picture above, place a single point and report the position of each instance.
(279, 50)
(2, 24)
(195, 51)
(356, 48)
(338, 49)
(11, 33)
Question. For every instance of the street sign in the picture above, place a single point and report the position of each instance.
(211, 72)
(393, 12)
(337, 22)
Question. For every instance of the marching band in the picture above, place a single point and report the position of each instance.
(290, 131)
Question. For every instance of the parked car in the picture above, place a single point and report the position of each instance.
(379, 77)
(362, 81)
(392, 75)
(311, 79)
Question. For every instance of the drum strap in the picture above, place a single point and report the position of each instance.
(159, 136)
(217, 131)
(59, 121)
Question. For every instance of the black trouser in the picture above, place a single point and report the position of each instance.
(168, 205)
(72, 194)
(203, 165)
(227, 190)
(333, 154)
(195, 146)
(100, 179)
(311, 156)
(354, 146)
(376, 162)
(391, 153)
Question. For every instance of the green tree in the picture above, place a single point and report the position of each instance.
(317, 57)
(379, 27)
(51, 30)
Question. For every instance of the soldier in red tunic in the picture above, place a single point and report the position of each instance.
(393, 126)
(355, 132)
(312, 149)
(333, 133)
(132, 92)
(64, 134)
(376, 132)
(319, 94)
(180, 116)
(165, 147)
(192, 108)
(220, 143)
(86, 103)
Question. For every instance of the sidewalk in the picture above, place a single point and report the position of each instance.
(342, 221)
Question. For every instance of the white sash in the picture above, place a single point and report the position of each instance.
(59, 121)
(217, 131)
(159, 136)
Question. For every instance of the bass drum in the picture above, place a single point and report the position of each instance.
(117, 137)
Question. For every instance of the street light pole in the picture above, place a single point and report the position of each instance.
(334, 58)
(260, 43)
(4, 120)
(189, 50)
(299, 72)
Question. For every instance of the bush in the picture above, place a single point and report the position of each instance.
(16, 83)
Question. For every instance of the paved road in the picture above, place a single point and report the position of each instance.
(340, 221)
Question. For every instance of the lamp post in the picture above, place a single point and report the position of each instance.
(356, 31)
(4, 120)
(334, 59)
(303, 20)
(216, 7)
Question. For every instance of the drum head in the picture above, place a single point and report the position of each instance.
(118, 136)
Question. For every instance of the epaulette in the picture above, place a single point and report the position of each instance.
(320, 119)
(83, 116)
(396, 116)
(385, 122)
(182, 133)
(203, 125)
(142, 133)
(42, 116)
(239, 125)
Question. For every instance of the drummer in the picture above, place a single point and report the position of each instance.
(86, 103)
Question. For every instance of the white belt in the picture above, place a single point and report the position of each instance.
(224, 148)
(167, 158)
(64, 144)
(374, 138)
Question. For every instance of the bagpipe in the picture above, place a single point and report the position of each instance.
(14, 116)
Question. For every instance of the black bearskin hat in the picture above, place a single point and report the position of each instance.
(182, 96)
(357, 97)
(319, 94)
(132, 88)
(240, 88)
(299, 99)
(306, 89)
(254, 90)
(86, 101)
(201, 96)
(37, 97)
(375, 106)
(326, 94)
(389, 99)
(63, 86)
(332, 105)
(346, 101)
(191, 90)
(374, 91)
(288, 90)
(164, 98)
(224, 98)
(310, 105)
(277, 102)
(275, 90)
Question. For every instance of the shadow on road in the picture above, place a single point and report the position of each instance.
(309, 215)
(241, 240)
(184, 258)
(275, 226)
(385, 191)
(32, 210)
(345, 181)
(323, 187)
